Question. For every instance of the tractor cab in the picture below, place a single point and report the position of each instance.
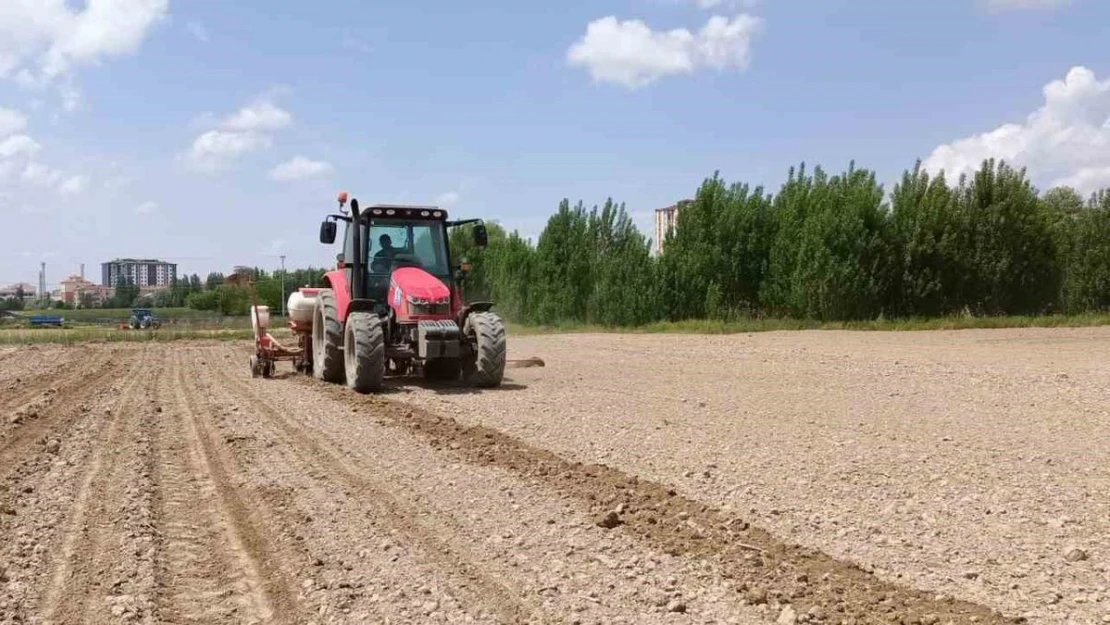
(394, 304)
(399, 237)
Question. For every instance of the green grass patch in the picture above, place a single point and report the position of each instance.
(123, 314)
(744, 326)
(71, 336)
(170, 317)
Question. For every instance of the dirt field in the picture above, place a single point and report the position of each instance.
(819, 477)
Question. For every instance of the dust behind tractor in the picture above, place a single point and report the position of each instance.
(393, 306)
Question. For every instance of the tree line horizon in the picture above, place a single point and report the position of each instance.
(821, 247)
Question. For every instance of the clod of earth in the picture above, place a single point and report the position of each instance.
(1074, 554)
(610, 520)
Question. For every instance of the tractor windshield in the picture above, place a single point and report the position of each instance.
(407, 243)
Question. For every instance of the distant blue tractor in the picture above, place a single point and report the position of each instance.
(143, 318)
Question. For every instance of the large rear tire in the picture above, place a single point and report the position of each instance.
(327, 339)
(487, 329)
(364, 352)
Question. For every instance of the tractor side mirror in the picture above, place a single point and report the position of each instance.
(327, 232)
(481, 237)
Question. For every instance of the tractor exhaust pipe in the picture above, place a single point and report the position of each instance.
(357, 287)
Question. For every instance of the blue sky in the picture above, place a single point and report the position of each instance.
(216, 133)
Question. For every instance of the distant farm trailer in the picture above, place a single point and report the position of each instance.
(46, 320)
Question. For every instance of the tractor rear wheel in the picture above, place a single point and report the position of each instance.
(327, 339)
(487, 330)
(364, 352)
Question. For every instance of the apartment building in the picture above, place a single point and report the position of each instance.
(140, 272)
(665, 221)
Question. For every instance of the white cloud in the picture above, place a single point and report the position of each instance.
(7, 168)
(146, 208)
(39, 174)
(217, 149)
(630, 53)
(1024, 5)
(42, 40)
(1065, 141)
(74, 185)
(115, 183)
(448, 199)
(18, 144)
(300, 168)
(261, 115)
(706, 5)
(18, 154)
(247, 130)
(71, 97)
(196, 29)
(11, 122)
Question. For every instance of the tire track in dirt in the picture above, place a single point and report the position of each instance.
(41, 485)
(765, 570)
(50, 375)
(316, 450)
(59, 406)
(215, 564)
(95, 535)
(28, 360)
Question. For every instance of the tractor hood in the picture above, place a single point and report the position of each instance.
(415, 283)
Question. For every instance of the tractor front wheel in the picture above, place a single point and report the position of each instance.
(327, 339)
(486, 330)
(364, 352)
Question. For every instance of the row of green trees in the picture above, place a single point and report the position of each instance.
(234, 297)
(827, 247)
(215, 293)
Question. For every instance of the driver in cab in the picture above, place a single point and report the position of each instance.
(384, 257)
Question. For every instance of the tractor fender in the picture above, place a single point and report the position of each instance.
(337, 281)
(472, 307)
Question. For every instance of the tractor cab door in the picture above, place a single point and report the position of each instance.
(386, 239)
(377, 265)
(348, 253)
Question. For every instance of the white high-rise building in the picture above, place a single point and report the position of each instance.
(141, 273)
(665, 221)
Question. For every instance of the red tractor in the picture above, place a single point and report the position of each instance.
(393, 305)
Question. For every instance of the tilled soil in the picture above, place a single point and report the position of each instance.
(971, 464)
(631, 480)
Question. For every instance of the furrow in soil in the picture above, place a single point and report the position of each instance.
(89, 582)
(493, 593)
(47, 404)
(765, 567)
(214, 563)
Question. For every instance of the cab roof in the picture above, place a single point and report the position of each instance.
(404, 211)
